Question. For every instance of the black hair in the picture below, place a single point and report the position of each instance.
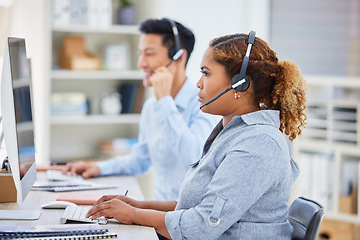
(163, 27)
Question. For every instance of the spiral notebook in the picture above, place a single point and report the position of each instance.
(75, 237)
(53, 232)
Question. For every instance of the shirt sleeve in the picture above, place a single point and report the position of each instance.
(238, 183)
(185, 138)
(135, 163)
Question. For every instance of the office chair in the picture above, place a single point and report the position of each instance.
(305, 216)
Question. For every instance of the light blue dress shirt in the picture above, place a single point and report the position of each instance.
(240, 187)
(172, 133)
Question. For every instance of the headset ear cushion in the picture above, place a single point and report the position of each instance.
(171, 52)
(243, 87)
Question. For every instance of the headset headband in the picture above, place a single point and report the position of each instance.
(246, 58)
(178, 50)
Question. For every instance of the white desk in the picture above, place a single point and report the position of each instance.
(52, 217)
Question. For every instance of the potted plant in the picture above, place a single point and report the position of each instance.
(126, 13)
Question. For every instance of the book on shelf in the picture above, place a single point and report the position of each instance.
(349, 186)
(139, 99)
(315, 178)
(132, 97)
(91, 13)
(68, 104)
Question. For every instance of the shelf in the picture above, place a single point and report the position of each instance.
(317, 145)
(96, 119)
(96, 75)
(341, 81)
(352, 218)
(115, 29)
(334, 102)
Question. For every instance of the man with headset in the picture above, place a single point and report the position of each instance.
(172, 128)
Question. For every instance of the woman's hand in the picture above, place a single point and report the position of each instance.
(113, 208)
(129, 211)
(125, 199)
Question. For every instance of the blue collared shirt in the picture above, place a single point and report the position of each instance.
(172, 133)
(240, 187)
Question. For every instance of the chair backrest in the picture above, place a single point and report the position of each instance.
(305, 215)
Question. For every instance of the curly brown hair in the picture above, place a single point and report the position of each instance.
(277, 85)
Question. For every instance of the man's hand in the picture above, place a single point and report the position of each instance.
(162, 81)
(86, 169)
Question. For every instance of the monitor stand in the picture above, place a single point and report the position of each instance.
(19, 214)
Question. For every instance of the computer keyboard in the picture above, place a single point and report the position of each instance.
(78, 213)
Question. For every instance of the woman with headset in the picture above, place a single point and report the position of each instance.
(240, 187)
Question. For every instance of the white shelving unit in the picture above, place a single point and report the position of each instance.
(331, 138)
(95, 119)
(78, 137)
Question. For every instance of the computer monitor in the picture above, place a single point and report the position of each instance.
(17, 119)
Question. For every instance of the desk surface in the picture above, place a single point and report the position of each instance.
(35, 199)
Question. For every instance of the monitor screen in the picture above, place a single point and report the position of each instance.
(22, 103)
(17, 119)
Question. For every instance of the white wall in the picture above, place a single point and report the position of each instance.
(213, 18)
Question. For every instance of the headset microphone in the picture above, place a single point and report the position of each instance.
(240, 82)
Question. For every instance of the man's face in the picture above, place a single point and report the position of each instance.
(152, 54)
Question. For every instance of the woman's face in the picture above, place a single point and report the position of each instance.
(213, 81)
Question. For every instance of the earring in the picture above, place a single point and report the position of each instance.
(236, 96)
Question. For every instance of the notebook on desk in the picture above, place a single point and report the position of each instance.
(51, 232)
(80, 198)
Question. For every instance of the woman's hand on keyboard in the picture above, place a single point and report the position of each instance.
(113, 208)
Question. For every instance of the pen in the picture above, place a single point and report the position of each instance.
(55, 186)
(126, 192)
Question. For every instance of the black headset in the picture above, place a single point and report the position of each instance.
(176, 53)
(240, 82)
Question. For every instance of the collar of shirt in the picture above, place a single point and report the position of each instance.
(184, 95)
(261, 117)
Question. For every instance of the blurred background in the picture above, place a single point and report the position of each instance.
(321, 36)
